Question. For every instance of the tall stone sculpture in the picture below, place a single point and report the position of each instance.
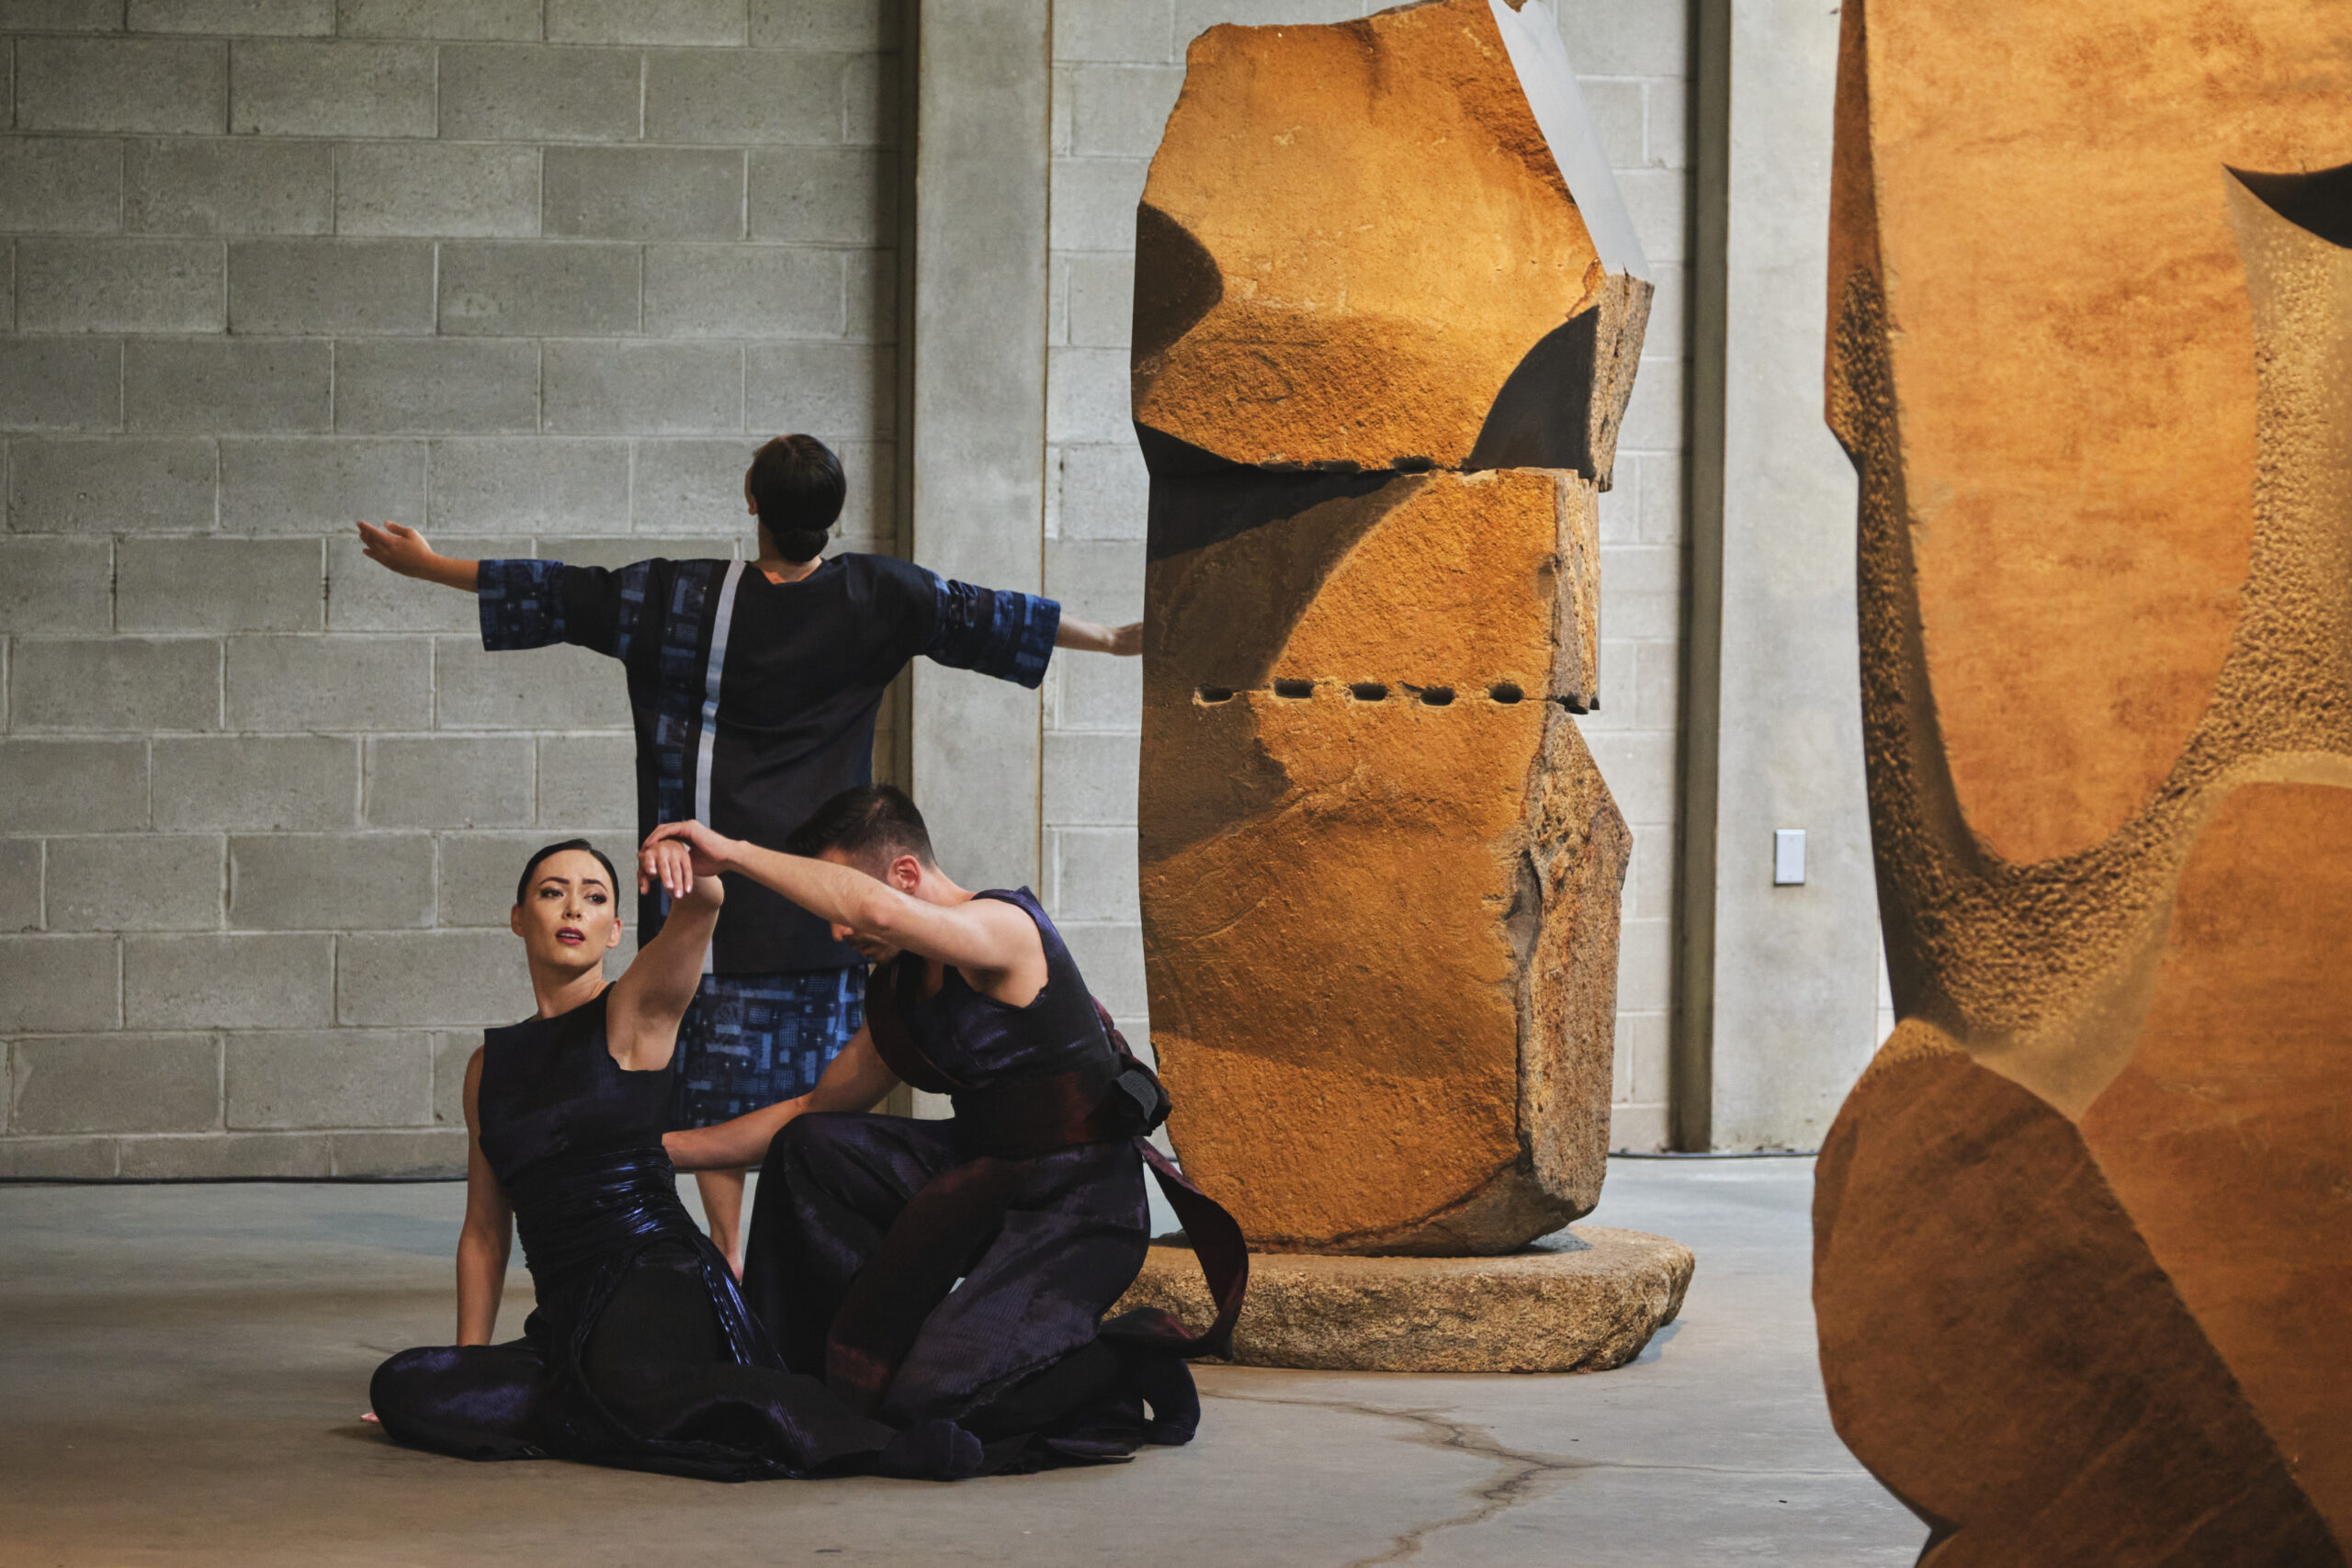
(2084, 1229)
(1388, 310)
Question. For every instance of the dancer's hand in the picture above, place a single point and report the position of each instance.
(676, 853)
(1092, 637)
(403, 550)
(398, 545)
(670, 865)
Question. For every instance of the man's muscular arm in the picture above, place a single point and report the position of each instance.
(981, 937)
(854, 1081)
(403, 550)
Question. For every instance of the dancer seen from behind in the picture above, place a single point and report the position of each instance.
(957, 1270)
(641, 1352)
(753, 687)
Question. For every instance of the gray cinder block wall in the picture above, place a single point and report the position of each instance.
(1118, 65)
(531, 275)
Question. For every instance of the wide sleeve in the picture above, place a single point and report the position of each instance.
(996, 631)
(536, 604)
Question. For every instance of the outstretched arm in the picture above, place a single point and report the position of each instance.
(487, 1239)
(641, 1017)
(854, 1080)
(403, 550)
(1088, 636)
(983, 934)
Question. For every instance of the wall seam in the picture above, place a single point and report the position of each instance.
(1690, 1068)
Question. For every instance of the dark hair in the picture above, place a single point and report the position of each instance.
(796, 486)
(523, 883)
(876, 820)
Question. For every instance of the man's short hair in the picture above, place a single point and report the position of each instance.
(523, 883)
(874, 823)
(795, 485)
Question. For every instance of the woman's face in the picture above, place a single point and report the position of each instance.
(567, 918)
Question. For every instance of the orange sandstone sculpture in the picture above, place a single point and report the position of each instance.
(1381, 352)
(2084, 1230)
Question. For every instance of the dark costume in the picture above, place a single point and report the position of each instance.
(958, 1270)
(641, 1353)
(753, 702)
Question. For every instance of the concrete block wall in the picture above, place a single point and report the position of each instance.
(1118, 66)
(532, 275)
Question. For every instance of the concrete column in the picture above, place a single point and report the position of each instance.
(1777, 982)
(977, 407)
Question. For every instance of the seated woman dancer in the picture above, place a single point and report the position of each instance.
(641, 1353)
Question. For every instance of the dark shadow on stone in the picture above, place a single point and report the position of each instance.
(1177, 282)
(2319, 203)
(1200, 499)
(1543, 416)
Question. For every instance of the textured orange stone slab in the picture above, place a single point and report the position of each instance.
(2233, 1119)
(2003, 1351)
(1356, 249)
(2106, 606)
(1379, 372)
(1380, 872)
(2068, 332)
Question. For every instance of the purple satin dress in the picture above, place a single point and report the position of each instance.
(641, 1353)
(1016, 1353)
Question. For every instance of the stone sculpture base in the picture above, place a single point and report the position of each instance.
(1580, 1306)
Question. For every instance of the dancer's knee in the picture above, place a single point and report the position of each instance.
(475, 1402)
(810, 1145)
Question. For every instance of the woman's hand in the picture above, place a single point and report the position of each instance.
(677, 853)
(1127, 641)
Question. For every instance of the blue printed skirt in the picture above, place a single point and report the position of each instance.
(750, 1040)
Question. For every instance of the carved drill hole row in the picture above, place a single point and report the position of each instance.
(1366, 692)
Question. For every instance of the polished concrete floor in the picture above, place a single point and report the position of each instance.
(182, 1369)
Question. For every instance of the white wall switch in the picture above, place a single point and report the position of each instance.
(1788, 857)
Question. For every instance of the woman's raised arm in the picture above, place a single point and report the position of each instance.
(641, 1018)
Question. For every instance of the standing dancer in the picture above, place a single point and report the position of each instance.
(754, 686)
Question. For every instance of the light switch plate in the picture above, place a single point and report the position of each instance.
(1788, 857)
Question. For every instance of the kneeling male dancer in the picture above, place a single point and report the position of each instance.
(1030, 1194)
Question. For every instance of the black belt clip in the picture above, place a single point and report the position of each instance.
(1139, 1087)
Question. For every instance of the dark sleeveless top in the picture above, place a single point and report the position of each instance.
(979, 1043)
(575, 1140)
(1044, 1093)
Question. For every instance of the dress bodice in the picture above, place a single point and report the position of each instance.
(549, 1087)
(979, 1041)
(575, 1140)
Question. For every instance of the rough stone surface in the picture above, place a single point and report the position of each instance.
(1305, 294)
(1585, 1302)
(1380, 870)
(2110, 734)
(1381, 912)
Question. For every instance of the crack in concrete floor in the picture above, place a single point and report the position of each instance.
(1524, 1477)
